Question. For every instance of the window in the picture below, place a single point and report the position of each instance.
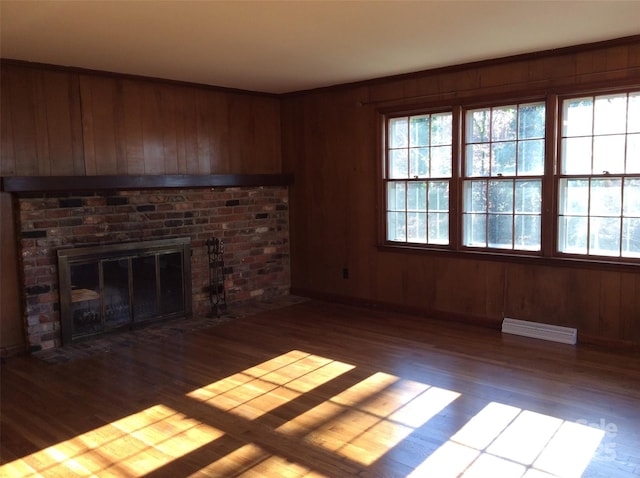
(483, 177)
(419, 169)
(504, 165)
(599, 185)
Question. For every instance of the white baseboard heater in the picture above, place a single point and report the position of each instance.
(554, 333)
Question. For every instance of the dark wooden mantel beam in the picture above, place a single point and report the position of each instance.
(23, 184)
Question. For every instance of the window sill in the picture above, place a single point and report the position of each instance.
(556, 261)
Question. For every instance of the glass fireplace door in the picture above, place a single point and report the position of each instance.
(116, 294)
(104, 288)
(86, 306)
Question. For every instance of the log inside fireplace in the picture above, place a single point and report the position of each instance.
(123, 286)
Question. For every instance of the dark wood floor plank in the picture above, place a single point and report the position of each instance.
(312, 389)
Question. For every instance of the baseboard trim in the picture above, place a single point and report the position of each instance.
(487, 322)
(12, 351)
(608, 343)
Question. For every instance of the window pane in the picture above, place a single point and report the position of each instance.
(576, 155)
(608, 154)
(398, 163)
(438, 228)
(606, 197)
(441, 162)
(500, 231)
(604, 236)
(396, 196)
(503, 158)
(478, 160)
(577, 117)
(438, 196)
(419, 131)
(501, 196)
(528, 196)
(504, 123)
(633, 122)
(478, 126)
(573, 234)
(441, 129)
(398, 133)
(475, 230)
(475, 196)
(531, 121)
(631, 237)
(395, 226)
(610, 114)
(417, 196)
(531, 157)
(419, 164)
(417, 227)
(631, 197)
(574, 196)
(527, 232)
(633, 154)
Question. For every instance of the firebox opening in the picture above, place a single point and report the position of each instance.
(123, 286)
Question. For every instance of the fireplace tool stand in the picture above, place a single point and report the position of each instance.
(217, 293)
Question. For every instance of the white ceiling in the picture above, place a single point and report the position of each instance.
(284, 46)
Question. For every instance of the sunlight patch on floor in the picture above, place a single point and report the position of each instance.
(271, 384)
(365, 421)
(132, 446)
(503, 440)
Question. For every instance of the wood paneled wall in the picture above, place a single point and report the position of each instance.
(330, 145)
(64, 122)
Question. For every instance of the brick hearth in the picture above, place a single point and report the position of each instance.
(253, 222)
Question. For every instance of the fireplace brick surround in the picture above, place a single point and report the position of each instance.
(253, 223)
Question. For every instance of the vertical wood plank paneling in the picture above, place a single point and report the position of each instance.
(132, 130)
(533, 293)
(629, 327)
(7, 151)
(88, 128)
(168, 115)
(136, 126)
(42, 131)
(241, 132)
(119, 129)
(43, 135)
(583, 303)
(609, 306)
(188, 161)
(266, 154)
(11, 321)
(152, 130)
(206, 135)
(19, 85)
(99, 97)
(180, 104)
(294, 122)
(63, 123)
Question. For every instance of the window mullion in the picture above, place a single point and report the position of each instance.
(622, 186)
(550, 217)
(455, 183)
(589, 217)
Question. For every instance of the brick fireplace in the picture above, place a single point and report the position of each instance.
(252, 221)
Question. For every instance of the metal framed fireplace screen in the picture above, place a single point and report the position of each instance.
(123, 286)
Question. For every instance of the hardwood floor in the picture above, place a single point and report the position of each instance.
(318, 389)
